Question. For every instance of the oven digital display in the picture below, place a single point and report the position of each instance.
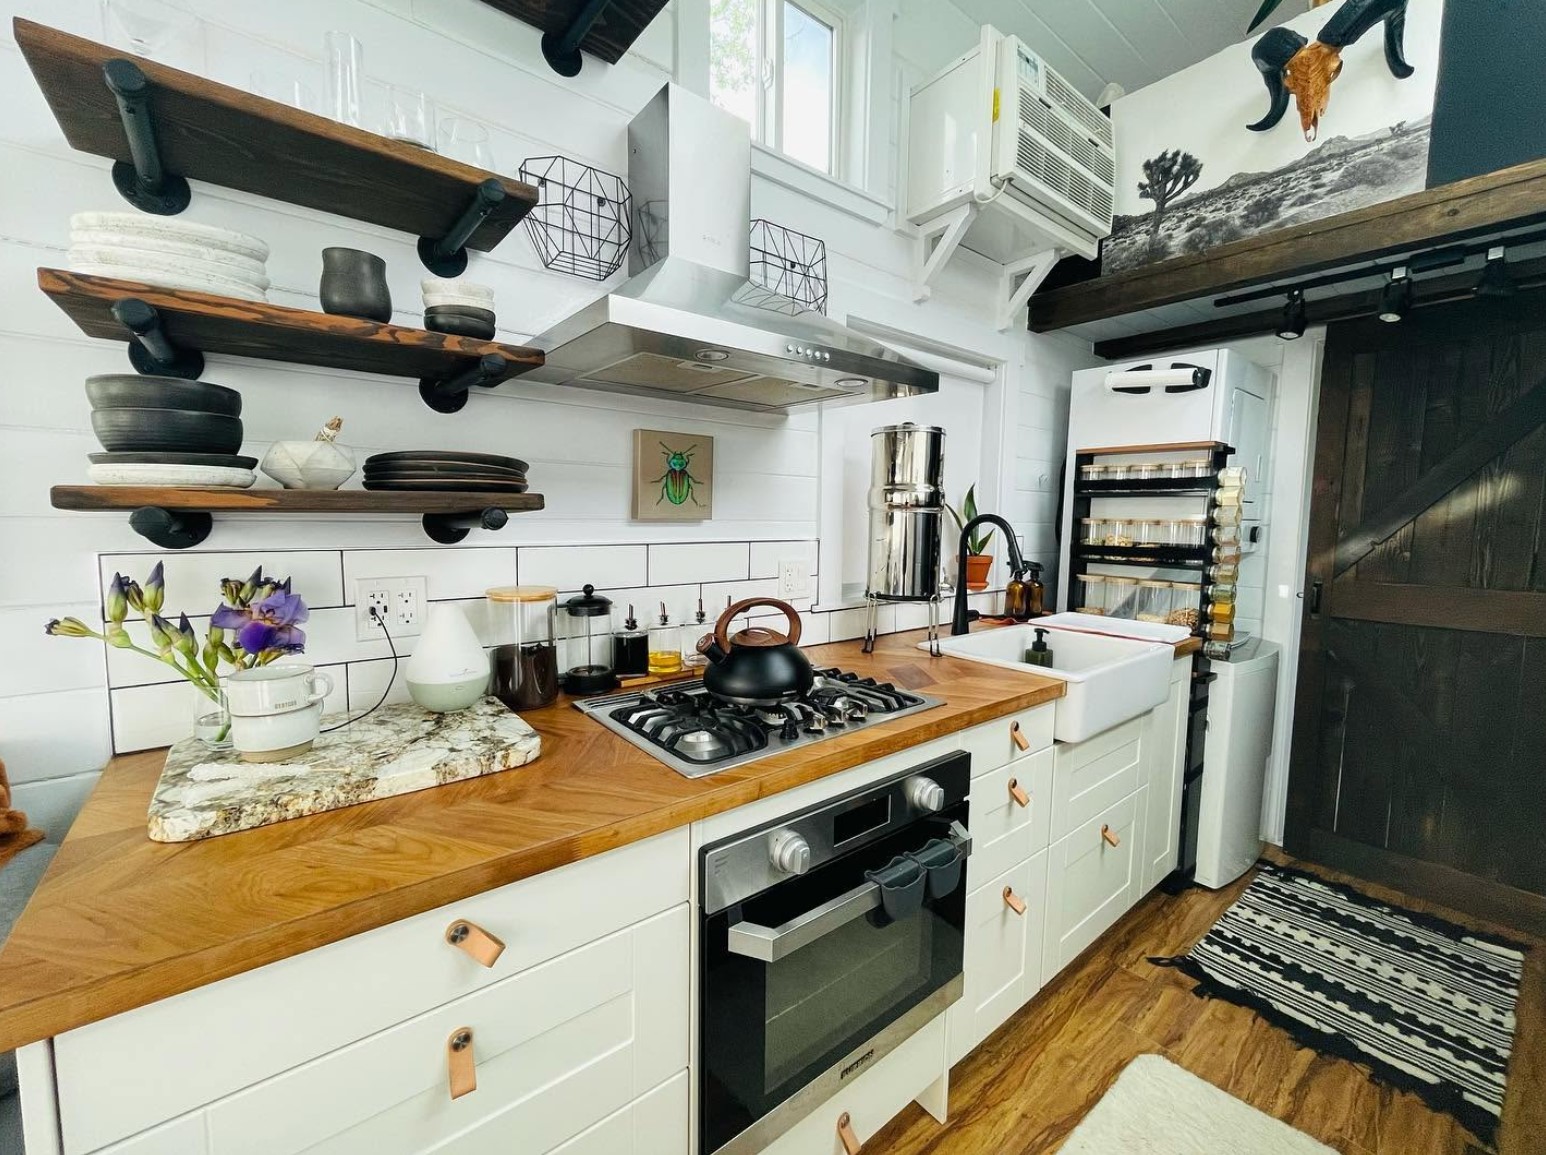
(861, 819)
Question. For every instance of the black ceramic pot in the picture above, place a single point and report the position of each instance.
(354, 285)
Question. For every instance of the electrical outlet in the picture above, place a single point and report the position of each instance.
(401, 602)
(794, 578)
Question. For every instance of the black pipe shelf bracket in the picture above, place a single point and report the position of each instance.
(151, 351)
(449, 394)
(450, 528)
(142, 180)
(171, 529)
(447, 255)
(562, 49)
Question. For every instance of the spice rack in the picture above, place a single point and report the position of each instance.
(1212, 622)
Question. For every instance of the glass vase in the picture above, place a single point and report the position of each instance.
(211, 720)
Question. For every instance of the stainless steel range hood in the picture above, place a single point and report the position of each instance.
(689, 325)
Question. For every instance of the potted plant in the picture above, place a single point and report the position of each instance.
(978, 563)
(257, 622)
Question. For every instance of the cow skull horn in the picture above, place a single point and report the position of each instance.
(1271, 55)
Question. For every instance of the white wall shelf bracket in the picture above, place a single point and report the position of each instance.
(936, 243)
(1019, 280)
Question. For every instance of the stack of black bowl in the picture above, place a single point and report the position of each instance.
(444, 470)
(167, 431)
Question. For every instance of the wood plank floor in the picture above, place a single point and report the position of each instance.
(1028, 1085)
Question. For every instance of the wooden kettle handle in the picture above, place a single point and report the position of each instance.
(722, 627)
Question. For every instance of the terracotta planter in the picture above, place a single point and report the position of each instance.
(977, 567)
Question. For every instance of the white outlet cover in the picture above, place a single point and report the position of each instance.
(794, 578)
(394, 588)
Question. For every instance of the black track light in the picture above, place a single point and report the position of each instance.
(1396, 300)
(1294, 318)
(1495, 280)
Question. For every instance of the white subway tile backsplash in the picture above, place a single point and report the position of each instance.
(712, 561)
(37, 664)
(766, 556)
(464, 572)
(193, 579)
(367, 681)
(48, 735)
(571, 566)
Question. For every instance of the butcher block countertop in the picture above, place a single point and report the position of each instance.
(120, 921)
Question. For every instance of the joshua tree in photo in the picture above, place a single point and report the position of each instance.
(1166, 177)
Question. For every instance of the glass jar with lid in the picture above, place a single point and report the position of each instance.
(585, 643)
(1090, 594)
(522, 627)
(1190, 470)
(1154, 601)
(1232, 496)
(1092, 530)
(1117, 471)
(1226, 555)
(1092, 473)
(1226, 535)
(1121, 597)
(1221, 612)
(1223, 591)
(665, 645)
(1226, 515)
(1185, 598)
(1149, 532)
(1119, 531)
(1223, 572)
(1189, 531)
(1146, 471)
(1233, 476)
(630, 648)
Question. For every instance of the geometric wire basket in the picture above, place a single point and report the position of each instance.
(581, 224)
(790, 264)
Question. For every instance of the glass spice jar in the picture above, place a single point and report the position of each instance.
(1092, 531)
(1119, 531)
(1226, 515)
(1151, 532)
(1146, 471)
(1226, 572)
(1154, 601)
(1121, 597)
(1185, 597)
(1091, 594)
(1092, 473)
(1190, 470)
(1119, 471)
(1233, 475)
(1189, 531)
(1233, 496)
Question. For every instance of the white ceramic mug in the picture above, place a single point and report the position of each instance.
(276, 711)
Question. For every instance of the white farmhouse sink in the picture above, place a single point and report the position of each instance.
(1109, 680)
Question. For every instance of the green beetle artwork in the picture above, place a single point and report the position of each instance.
(673, 476)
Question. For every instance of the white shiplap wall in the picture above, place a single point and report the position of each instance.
(54, 719)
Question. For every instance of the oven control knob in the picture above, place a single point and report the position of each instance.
(790, 853)
(924, 794)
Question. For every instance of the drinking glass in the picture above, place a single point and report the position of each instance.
(145, 26)
(291, 90)
(345, 71)
(410, 117)
(465, 139)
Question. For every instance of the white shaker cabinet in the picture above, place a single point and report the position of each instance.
(1165, 754)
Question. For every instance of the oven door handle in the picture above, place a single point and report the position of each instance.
(769, 944)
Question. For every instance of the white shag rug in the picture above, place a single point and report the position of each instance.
(1157, 1108)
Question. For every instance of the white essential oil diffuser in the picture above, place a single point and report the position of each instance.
(449, 669)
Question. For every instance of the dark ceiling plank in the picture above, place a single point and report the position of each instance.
(1471, 207)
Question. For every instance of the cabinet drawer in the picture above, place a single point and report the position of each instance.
(1091, 883)
(873, 1099)
(1002, 963)
(1090, 776)
(659, 1123)
(556, 1048)
(1004, 832)
(993, 744)
(135, 1070)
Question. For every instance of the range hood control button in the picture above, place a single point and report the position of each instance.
(790, 853)
(924, 794)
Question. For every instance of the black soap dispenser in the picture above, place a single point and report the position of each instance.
(1039, 654)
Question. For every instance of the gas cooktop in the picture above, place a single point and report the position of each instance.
(697, 734)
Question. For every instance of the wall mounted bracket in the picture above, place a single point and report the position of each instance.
(562, 50)
(447, 257)
(450, 528)
(143, 180)
(180, 529)
(936, 243)
(151, 351)
(449, 394)
(1019, 280)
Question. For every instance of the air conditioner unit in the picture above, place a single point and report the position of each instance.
(1007, 159)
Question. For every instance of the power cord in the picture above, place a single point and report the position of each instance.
(376, 617)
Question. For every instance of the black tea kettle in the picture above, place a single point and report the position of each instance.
(757, 666)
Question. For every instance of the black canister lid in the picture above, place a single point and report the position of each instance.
(588, 604)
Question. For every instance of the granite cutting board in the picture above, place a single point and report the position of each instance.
(396, 750)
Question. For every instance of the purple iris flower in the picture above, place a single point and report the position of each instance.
(270, 625)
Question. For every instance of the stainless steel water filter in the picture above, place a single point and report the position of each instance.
(906, 503)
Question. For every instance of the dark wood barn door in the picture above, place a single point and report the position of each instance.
(1419, 750)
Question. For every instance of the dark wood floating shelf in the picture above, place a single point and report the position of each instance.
(1148, 555)
(208, 131)
(176, 518)
(192, 322)
(1158, 486)
(1475, 207)
(609, 34)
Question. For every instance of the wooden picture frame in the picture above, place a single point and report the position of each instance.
(673, 476)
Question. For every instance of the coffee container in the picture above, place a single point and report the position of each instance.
(906, 505)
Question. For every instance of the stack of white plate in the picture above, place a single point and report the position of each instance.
(169, 253)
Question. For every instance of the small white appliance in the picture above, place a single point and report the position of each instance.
(1234, 776)
(1006, 158)
(449, 669)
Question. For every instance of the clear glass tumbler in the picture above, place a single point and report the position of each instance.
(345, 74)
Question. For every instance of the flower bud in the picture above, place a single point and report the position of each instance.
(68, 628)
(135, 596)
(118, 636)
(155, 589)
(117, 598)
(250, 587)
(161, 632)
(186, 642)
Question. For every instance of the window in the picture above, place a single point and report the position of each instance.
(774, 64)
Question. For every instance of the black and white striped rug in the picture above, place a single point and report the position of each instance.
(1427, 1005)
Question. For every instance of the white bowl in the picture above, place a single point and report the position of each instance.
(442, 287)
(138, 224)
(178, 476)
(237, 263)
(166, 263)
(308, 464)
(218, 288)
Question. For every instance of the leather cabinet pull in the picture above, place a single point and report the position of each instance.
(1013, 901)
(845, 1132)
(1110, 836)
(462, 1067)
(1017, 792)
(477, 942)
(1019, 737)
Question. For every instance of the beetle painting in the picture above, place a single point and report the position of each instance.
(673, 476)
